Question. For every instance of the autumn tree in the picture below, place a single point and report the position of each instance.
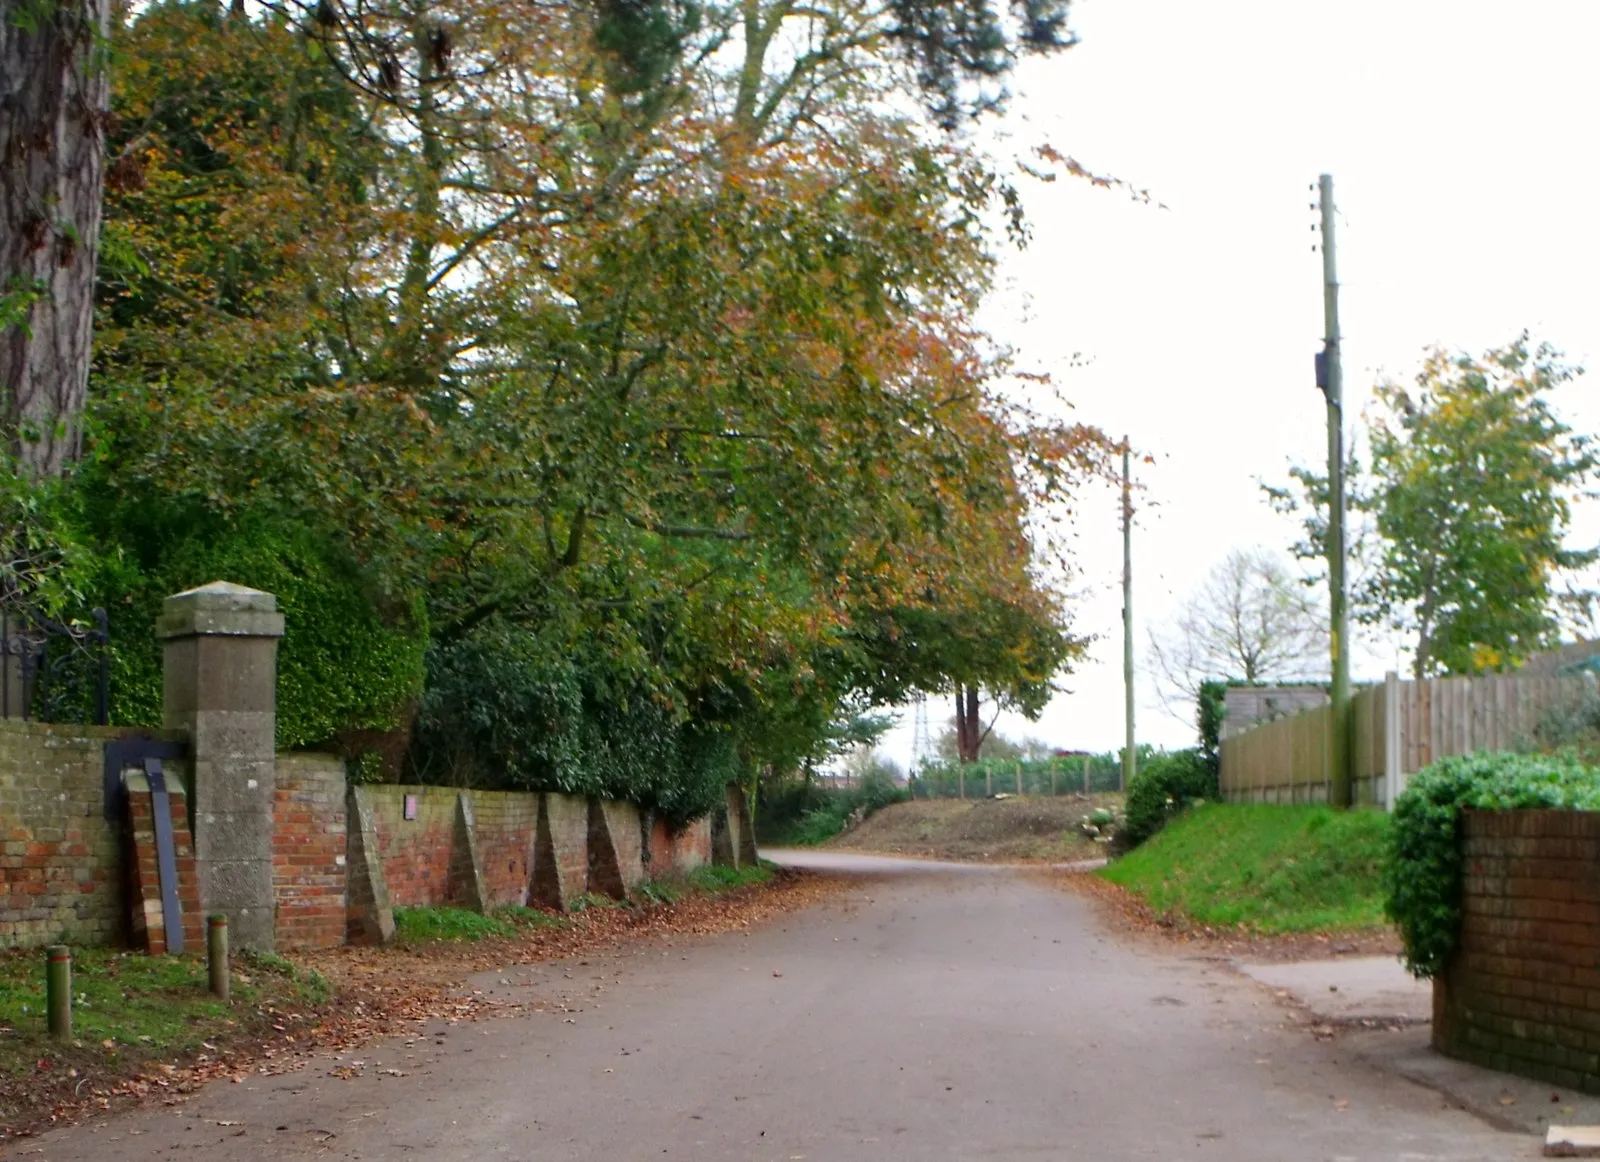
(639, 354)
(1468, 504)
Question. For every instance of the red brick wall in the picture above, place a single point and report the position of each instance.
(685, 851)
(1522, 993)
(415, 853)
(506, 823)
(61, 876)
(308, 852)
(148, 926)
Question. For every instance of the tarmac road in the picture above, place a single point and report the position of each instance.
(933, 1012)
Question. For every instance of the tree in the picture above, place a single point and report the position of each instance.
(1250, 620)
(53, 92)
(1468, 503)
(629, 344)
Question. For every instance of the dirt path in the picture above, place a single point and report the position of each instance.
(931, 1013)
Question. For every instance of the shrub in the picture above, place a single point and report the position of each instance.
(350, 659)
(809, 813)
(1165, 785)
(1422, 877)
(506, 709)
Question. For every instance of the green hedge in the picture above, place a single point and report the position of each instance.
(1164, 785)
(349, 660)
(505, 709)
(1422, 877)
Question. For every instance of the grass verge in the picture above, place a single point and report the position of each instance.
(132, 1007)
(421, 926)
(1268, 869)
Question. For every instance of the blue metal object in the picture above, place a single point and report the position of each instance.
(122, 753)
(166, 854)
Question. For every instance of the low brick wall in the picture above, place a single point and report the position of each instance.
(415, 853)
(678, 851)
(308, 852)
(1522, 993)
(506, 822)
(61, 873)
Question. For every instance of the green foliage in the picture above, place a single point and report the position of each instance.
(506, 709)
(1268, 868)
(1164, 786)
(1570, 724)
(1467, 505)
(806, 812)
(349, 660)
(1422, 877)
(1211, 708)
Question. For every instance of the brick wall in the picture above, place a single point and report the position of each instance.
(308, 852)
(415, 853)
(679, 851)
(1522, 993)
(148, 922)
(60, 860)
(561, 850)
(506, 822)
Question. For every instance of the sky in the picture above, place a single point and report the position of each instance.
(1462, 141)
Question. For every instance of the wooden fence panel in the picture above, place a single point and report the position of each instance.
(1287, 760)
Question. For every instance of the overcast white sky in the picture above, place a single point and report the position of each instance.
(1463, 141)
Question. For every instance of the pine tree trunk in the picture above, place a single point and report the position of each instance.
(53, 101)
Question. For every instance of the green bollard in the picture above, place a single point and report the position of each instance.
(217, 953)
(58, 991)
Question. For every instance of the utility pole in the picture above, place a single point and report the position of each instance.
(1330, 378)
(1130, 761)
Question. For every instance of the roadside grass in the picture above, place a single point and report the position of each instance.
(1269, 869)
(446, 924)
(717, 878)
(129, 1008)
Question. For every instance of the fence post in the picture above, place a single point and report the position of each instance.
(58, 991)
(961, 781)
(217, 954)
(1392, 775)
(1052, 780)
(1019, 778)
(988, 782)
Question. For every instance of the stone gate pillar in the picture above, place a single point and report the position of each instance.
(219, 686)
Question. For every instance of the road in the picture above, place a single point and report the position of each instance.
(929, 1013)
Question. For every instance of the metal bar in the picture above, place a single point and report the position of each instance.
(166, 856)
(102, 698)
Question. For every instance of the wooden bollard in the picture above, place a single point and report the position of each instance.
(217, 953)
(58, 991)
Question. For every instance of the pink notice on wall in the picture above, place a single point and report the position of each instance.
(410, 810)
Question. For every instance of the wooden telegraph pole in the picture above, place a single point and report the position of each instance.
(1130, 761)
(1330, 378)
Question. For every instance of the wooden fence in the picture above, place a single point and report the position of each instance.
(1396, 729)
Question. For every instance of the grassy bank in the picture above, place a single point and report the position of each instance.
(1266, 868)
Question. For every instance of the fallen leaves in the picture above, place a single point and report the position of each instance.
(382, 992)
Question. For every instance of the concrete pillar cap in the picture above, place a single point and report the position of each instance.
(220, 608)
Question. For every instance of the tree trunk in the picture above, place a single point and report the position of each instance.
(53, 100)
(969, 727)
